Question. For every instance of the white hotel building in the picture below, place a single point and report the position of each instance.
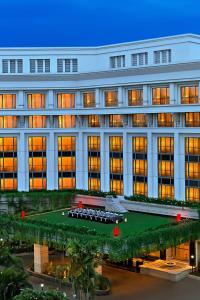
(123, 118)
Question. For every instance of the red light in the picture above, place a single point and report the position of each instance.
(178, 217)
(80, 204)
(23, 214)
(116, 231)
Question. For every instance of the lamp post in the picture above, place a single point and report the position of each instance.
(192, 262)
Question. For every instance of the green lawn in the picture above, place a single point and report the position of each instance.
(137, 222)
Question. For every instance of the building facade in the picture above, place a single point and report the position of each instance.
(123, 118)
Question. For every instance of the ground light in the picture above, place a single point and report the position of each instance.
(42, 286)
(192, 262)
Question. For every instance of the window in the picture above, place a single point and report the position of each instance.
(139, 59)
(37, 121)
(66, 143)
(8, 122)
(192, 170)
(166, 191)
(189, 95)
(166, 145)
(36, 101)
(66, 100)
(111, 98)
(115, 121)
(140, 144)
(192, 194)
(94, 143)
(139, 120)
(67, 164)
(135, 97)
(165, 120)
(93, 121)
(192, 119)
(192, 146)
(8, 144)
(66, 121)
(160, 96)
(8, 164)
(7, 101)
(89, 99)
(116, 165)
(94, 163)
(117, 186)
(37, 164)
(67, 65)
(37, 144)
(165, 168)
(162, 56)
(94, 184)
(12, 66)
(116, 144)
(39, 65)
(140, 188)
(117, 61)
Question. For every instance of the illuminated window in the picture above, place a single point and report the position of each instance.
(37, 164)
(160, 96)
(165, 120)
(192, 146)
(192, 194)
(116, 165)
(8, 184)
(94, 184)
(117, 186)
(89, 99)
(189, 95)
(115, 120)
(37, 121)
(140, 188)
(139, 120)
(8, 144)
(111, 98)
(67, 164)
(192, 170)
(36, 101)
(66, 100)
(8, 164)
(94, 163)
(116, 144)
(66, 143)
(37, 143)
(8, 122)
(135, 97)
(66, 183)
(66, 121)
(165, 168)
(93, 121)
(166, 145)
(140, 144)
(140, 167)
(192, 119)
(37, 183)
(166, 191)
(93, 143)
(7, 101)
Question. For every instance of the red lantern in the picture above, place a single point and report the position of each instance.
(23, 214)
(178, 217)
(116, 231)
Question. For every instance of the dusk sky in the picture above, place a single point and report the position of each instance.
(93, 22)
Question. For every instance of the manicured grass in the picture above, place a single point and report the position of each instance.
(137, 223)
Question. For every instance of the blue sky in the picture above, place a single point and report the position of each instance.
(93, 22)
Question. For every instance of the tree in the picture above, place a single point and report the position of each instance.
(29, 294)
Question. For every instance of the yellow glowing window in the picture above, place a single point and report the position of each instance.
(140, 145)
(8, 122)
(192, 146)
(189, 95)
(8, 164)
(66, 143)
(165, 168)
(66, 183)
(93, 164)
(36, 101)
(66, 164)
(192, 119)
(66, 100)
(140, 188)
(140, 167)
(116, 121)
(116, 165)
(117, 186)
(93, 121)
(165, 120)
(37, 164)
(160, 96)
(192, 170)
(111, 98)
(37, 183)
(7, 184)
(37, 121)
(94, 184)
(7, 101)
(89, 99)
(8, 144)
(139, 120)
(166, 145)
(166, 191)
(192, 194)
(37, 143)
(135, 97)
(116, 144)
(94, 143)
(66, 121)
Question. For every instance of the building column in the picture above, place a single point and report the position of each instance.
(172, 93)
(20, 100)
(181, 195)
(41, 258)
(78, 100)
(120, 96)
(50, 98)
(23, 176)
(85, 162)
(79, 161)
(51, 163)
(176, 166)
(146, 95)
(197, 252)
(97, 97)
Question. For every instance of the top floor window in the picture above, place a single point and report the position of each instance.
(162, 56)
(139, 59)
(39, 65)
(189, 94)
(135, 97)
(111, 98)
(7, 101)
(89, 99)
(117, 61)
(66, 100)
(12, 66)
(36, 101)
(160, 96)
(67, 65)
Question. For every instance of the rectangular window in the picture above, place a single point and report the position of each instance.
(94, 143)
(139, 59)
(166, 191)
(192, 146)
(116, 164)
(93, 121)
(165, 168)
(192, 194)
(140, 188)
(160, 96)
(116, 144)
(39, 65)
(192, 170)
(140, 145)
(94, 163)
(66, 121)
(36, 101)
(8, 122)
(111, 98)
(89, 99)
(37, 121)
(7, 101)
(163, 56)
(192, 119)
(12, 66)
(139, 120)
(140, 167)
(66, 100)
(8, 144)
(135, 97)
(94, 184)
(117, 61)
(189, 95)
(67, 65)
(115, 120)
(165, 120)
